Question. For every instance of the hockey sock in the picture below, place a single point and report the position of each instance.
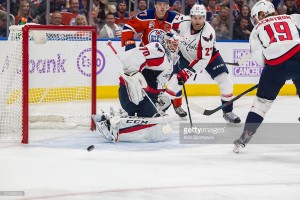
(253, 121)
(177, 102)
(228, 108)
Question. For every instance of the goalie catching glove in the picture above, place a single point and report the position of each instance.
(135, 84)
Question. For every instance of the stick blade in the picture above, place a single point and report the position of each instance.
(196, 108)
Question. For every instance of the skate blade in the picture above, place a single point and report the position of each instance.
(237, 148)
(181, 118)
(234, 124)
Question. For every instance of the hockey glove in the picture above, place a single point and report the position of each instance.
(183, 76)
(129, 44)
(135, 84)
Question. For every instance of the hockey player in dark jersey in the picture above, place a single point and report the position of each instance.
(275, 44)
(152, 23)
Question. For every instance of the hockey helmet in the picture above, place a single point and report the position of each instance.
(172, 40)
(198, 10)
(166, 1)
(262, 6)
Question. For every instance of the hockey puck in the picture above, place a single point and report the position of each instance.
(299, 119)
(90, 148)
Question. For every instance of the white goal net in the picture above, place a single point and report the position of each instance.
(47, 79)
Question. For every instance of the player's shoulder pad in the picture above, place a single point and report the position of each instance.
(209, 27)
(171, 16)
(180, 19)
(146, 15)
(208, 33)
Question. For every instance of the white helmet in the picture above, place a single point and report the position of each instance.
(198, 10)
(262, 6)
(171, 41)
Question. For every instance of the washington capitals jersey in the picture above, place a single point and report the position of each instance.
(275, 39)
(147, 23)
(151, 60)
(196, 48)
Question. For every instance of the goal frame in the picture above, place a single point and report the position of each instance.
(25, 72)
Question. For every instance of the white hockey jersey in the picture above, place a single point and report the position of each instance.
(151, 60)
(196, 48)
(275, 39)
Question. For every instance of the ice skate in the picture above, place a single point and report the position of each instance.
(242, 141)
(180, 112)
(231, 118)
(108, 127)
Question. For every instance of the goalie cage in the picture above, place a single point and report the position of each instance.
(47, 80)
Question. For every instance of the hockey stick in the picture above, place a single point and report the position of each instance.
(241, 61)
(203, 111)
(187, 105)
(185, 95)
(233, 64)
(167, 129)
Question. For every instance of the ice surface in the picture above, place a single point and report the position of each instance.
(56, 164)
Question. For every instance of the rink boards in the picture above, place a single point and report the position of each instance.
(109, 68)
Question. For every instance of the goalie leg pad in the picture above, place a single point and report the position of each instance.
(226, 86)
(137, 129)
(261, 106)
(109, 128)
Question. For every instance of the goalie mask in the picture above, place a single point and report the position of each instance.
(171, 41)
(261, 10)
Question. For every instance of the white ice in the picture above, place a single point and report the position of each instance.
(56, 165)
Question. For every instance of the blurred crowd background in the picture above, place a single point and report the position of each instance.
(230, 18)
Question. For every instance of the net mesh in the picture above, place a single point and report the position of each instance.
(60, 89)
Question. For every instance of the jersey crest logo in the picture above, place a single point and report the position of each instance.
(207, 39)
(155, 35)
(151, 24)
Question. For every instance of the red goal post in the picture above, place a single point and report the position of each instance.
(58, 89)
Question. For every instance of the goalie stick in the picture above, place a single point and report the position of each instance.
(167, 129)
(203, 111)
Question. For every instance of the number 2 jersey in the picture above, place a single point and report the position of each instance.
(198, 49)
(275, 39)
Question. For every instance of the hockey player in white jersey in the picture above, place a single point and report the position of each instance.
(275, 44)
(197, 52)
(146, 70)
